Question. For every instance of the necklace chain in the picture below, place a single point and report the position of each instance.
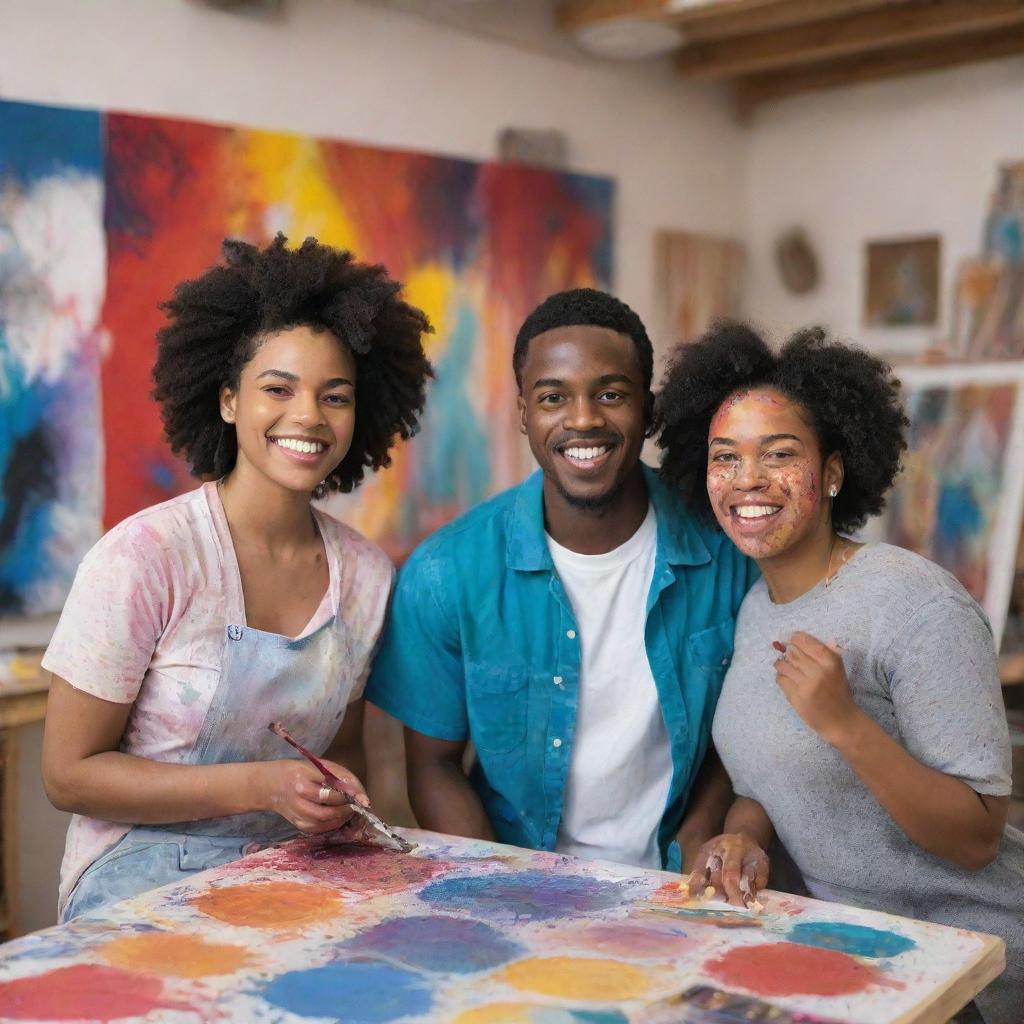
(829, 574)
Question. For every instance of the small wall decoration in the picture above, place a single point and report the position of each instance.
(697, 280)
(902, 282)
(797, 262)
(959, 498)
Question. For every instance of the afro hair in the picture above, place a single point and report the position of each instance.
(852, 400)
(584, 307)
(217, 321)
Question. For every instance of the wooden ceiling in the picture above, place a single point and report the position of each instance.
(774, 48)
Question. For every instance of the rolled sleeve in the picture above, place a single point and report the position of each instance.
(112, 619)
(418, 675)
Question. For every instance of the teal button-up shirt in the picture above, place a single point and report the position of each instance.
(482, 644)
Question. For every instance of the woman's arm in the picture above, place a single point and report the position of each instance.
(84, 772)
(939, 812)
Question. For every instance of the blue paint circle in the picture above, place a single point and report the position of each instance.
(523, 895)
(855, 939)
(353, 991)
(446, 945)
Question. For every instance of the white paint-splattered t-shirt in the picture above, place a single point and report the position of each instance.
(144, 625)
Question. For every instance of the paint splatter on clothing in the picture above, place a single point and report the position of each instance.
(919, 655)
(145, 624)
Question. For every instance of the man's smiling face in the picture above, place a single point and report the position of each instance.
(583, 407)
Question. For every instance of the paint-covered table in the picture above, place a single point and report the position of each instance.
(473, 933)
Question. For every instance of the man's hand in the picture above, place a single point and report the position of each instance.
(734, 865)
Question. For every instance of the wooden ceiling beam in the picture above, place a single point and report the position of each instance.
(754, 90)
(891, 27)
(745, 17)
(576, 14)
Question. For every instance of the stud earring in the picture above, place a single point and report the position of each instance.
(833, 491)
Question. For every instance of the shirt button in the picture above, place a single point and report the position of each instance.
(556, 742)
(557, 680)
(571, 634)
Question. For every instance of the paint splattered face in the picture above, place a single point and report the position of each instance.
(294, 410)
(765, 475)
(582, 407)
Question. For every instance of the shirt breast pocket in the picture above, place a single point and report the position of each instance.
(710, 652)
(496, 704)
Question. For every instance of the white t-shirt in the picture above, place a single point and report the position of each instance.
(621, 765)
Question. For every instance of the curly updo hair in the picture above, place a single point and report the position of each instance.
(584, 307)
(217, 321)
(851, 398)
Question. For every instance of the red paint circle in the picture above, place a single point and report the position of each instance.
(787, 969)
(81, 992)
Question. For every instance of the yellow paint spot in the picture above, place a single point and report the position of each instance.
(270, 904)
(429, 287)
(497, 1013)
(286, 187)
(177, 955)
(577, 978)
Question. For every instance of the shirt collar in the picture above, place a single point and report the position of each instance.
(679, 541)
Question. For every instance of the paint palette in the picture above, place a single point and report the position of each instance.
(470, 932)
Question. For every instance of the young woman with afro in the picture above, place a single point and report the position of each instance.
(861, 717)
(282, 374)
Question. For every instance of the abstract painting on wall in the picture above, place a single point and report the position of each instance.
(902, 282)
(52, 273)
(101, 215)
(959, 498)
(476, 246)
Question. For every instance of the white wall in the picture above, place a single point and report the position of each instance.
(911, 156)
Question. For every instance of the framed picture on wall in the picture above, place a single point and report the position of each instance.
(959, 498)
(902, 282)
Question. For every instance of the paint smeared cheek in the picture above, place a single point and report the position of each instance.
(721, 476)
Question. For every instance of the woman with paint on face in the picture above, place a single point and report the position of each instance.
(281, 375)
(861, 718)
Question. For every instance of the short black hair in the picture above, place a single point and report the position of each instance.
(590, 308)
(851, 397)
(217, 321)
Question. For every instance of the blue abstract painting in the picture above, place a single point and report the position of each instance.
(52, 285)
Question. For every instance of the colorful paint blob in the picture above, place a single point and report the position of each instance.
(270, 904)
(82, 992)
(525, 1013)
(622, 940)
(445, 945)
(570, 977)
(787, 969)
(177, 955)
(353, 991)
(523, 896)
(855, 939)
(358, 869)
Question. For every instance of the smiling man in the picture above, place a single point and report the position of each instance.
(575, 628)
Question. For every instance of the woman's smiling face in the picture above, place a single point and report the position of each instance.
(766, 477)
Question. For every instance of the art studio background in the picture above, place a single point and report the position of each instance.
(132, 141)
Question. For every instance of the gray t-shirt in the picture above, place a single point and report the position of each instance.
(919, 655)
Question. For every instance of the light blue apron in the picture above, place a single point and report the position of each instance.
(264, 678)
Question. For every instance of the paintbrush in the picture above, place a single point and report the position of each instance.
(388, 836)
